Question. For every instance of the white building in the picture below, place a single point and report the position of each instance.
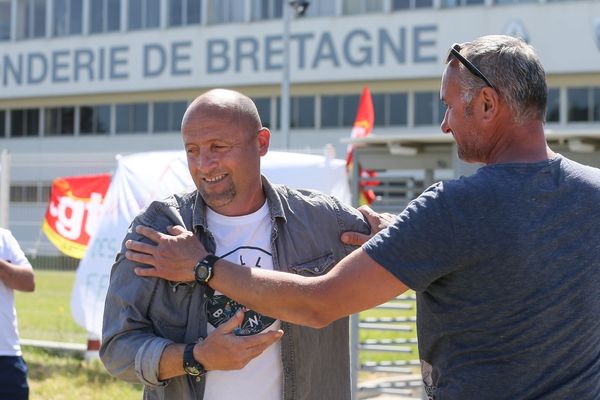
(84, 80)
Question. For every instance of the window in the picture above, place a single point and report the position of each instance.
(24, 122)
(266, 9)
(429, 110)
(132, 118)
(29, 192)
(349, 109)
(105, 15)
(59, 121)
(596, 104)
(45, 193)
(94, 120)
(320, 8)
(338, 111)
(583, 104)
(5, 12)
(553, 105)
(32, 19)
(168, 116)
(501, 2)
(362, 6)
(2, 123)
(225, 11)
(330, 110)
(391, 109)
(578, 104)
(25, 193)
(184, 12)
(459, 3)
(302, 111)
(408, 4)
(143, 14)
(67, 16)
(264, 110)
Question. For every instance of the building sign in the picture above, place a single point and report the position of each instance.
(398, 45)
(213, 55)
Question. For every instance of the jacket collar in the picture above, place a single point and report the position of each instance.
(273, 200)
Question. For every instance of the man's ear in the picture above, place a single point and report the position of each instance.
(490, 103)
(264, 139)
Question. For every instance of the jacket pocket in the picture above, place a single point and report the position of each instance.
(315, 266)
(169, 310)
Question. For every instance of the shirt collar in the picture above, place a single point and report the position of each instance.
(273, 200)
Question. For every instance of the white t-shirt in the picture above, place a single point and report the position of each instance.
(9, 334)
(244, 240)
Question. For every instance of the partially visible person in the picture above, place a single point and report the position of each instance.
(505, 263)
(15, 274)
(181, 340)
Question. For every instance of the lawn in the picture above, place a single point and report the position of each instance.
(55, 376)
(46, 315)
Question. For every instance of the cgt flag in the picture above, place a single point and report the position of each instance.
(73, 210)
(363, 125)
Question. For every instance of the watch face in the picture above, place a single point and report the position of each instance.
(202, 272)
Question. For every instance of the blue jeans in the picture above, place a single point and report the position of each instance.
(13, 378)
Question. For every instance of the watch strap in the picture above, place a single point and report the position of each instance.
(190, 365)
(207, 262)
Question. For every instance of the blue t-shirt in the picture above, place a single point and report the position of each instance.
(506, 266)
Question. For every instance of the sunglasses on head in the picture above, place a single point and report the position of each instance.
(455, 52)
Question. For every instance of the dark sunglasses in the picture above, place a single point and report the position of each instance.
(455, 52)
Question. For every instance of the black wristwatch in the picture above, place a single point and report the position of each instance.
(190, 365)
(203, 271)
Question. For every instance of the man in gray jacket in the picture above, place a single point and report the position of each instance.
(181, 340)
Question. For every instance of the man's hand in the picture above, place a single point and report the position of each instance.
(223, 350)
(376, 221)
(173, 257)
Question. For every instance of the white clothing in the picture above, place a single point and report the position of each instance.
(9, 334)
(244, 240)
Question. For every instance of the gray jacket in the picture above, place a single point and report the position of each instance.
(143, 315)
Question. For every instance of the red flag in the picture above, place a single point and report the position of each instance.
(73, 210)
(363, 125)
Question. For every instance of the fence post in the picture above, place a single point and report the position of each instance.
(4, 187)
(93, 347)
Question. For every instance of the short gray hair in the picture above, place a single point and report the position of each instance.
(513, 68)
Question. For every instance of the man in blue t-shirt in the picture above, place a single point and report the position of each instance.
(505, 263)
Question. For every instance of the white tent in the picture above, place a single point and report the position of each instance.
(144, 177)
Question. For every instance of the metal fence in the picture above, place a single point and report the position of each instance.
(387, 348)
(54, 263)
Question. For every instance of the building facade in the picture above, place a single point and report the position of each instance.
(82, 81)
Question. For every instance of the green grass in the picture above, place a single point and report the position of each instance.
(54, 376)
(46, 315)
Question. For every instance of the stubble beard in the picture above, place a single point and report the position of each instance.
(218, 199)
(471, 152)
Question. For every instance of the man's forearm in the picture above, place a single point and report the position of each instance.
(171, 362)
(296, 295)
(356, 283)
(18, 277)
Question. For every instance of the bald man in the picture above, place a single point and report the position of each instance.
(184, 341)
